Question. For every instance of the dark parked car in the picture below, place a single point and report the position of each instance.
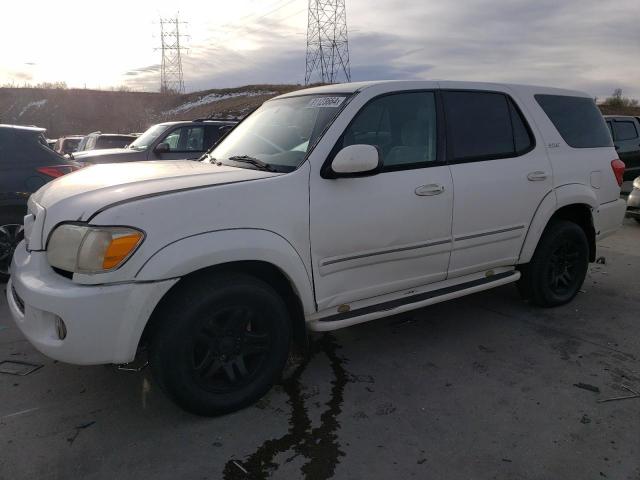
(633, 201)
(102, 141)
(165, 141)
(68, 144)
(26, 163)
(625, 131)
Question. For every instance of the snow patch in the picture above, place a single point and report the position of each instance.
(215, 97)
(36, 104)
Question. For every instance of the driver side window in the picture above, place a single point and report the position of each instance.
(172, 139)
(401, 126)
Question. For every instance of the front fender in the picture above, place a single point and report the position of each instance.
(207, 249)
(570, 194)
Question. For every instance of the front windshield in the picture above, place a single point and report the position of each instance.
(280, 132)
(147, 138)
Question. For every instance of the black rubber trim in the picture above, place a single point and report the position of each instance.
(485, 234)
(390, 305)
(385, 252)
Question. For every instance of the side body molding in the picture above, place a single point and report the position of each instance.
(573, 193)
(207, 249)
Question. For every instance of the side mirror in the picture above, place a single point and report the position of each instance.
(356, 160)
(162, 148)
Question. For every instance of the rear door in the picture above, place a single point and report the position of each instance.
(500, 176)
(626, 136)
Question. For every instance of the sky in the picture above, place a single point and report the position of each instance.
(590, 45)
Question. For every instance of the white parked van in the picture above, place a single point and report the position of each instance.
(324, 208)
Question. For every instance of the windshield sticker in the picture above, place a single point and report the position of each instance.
(325, 102)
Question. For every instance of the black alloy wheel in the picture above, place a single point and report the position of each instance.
(219, 341)
(10, 235)
(558, 267)
(230, 348)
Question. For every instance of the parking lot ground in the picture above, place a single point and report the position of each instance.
(484, 387)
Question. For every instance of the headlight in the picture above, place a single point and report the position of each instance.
(86, 249)
(636, 183)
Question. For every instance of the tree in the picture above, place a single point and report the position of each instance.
(618, 100)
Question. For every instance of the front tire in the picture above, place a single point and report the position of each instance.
(559, 265)
(11, 233)
(221, 342)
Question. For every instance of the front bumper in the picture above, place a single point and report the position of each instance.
(633, 204)
(103, 323)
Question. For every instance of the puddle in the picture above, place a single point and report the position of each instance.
(319, 448)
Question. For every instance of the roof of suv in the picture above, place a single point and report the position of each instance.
(200, 120)
(358, 86)
(621, 117)
(29, 128)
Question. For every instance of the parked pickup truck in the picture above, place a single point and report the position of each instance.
(324, 208)
(625, 131)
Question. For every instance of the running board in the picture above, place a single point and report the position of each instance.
(393, 307)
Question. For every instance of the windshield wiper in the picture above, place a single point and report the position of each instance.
(253, 161)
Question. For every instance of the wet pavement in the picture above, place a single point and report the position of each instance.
(483, 387)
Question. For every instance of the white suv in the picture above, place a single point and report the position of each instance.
(324, 208)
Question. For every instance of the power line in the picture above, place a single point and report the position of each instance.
(327, 56)
(171, 78)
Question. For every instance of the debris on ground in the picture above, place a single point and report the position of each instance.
(601, 260)
(21, 369)
(586, 386)
(79, 428)
(625, 397)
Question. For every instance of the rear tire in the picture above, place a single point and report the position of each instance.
(559, 265)
(220, 343)
(11, 233)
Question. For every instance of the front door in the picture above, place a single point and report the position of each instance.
(500, 176)
(187, 142)
(383, 233)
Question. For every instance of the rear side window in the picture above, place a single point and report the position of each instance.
(577, 119)
(484, 125)
(625, 130)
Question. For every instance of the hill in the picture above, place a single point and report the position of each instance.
(78, 111)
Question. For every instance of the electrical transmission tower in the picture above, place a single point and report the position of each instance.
(171, 80)
(327, 42)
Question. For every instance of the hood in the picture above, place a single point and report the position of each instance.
(78, 195)
(88, 155)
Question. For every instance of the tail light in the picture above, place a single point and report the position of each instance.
(56, 171)
(618, 167)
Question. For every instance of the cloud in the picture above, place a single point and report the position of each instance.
(585, 44)
(143, 70)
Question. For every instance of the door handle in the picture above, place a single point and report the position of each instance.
(429, 190)
(537, 176)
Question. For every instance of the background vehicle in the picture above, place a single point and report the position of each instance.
(165, 141)
(51, 142)
(633, 201)
(324, 208)
(67, 144)
(26, 163)
(626, 138)
(102, 141)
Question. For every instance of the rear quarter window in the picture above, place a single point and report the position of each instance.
(577, 120)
